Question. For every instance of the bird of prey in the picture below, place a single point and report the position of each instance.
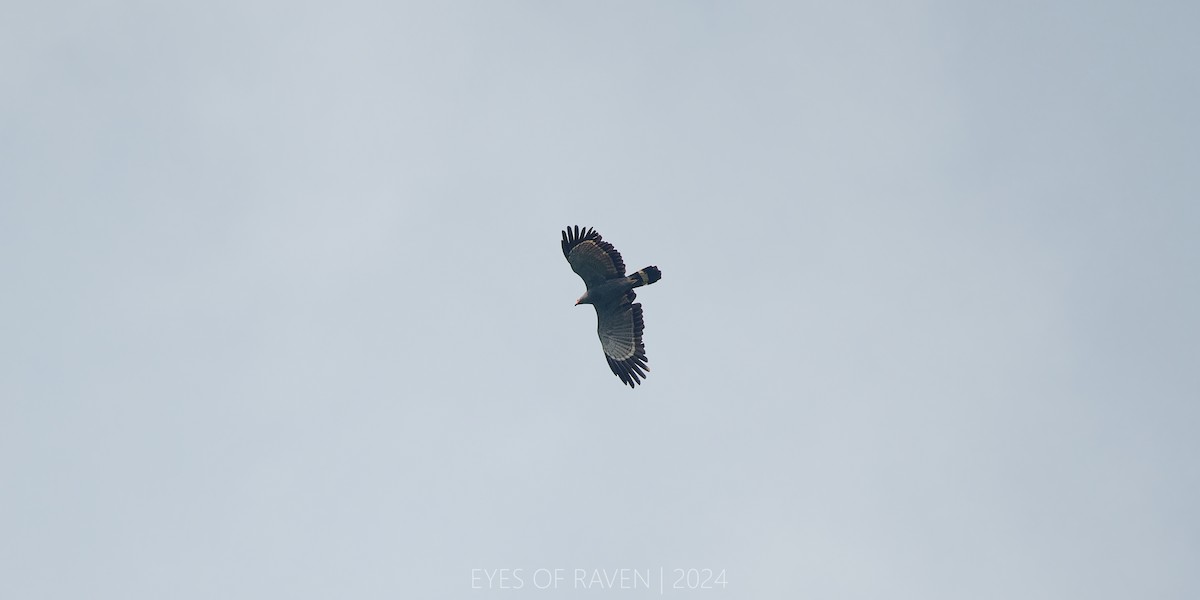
(610, 292)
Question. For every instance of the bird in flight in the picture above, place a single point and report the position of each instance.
(610, 292)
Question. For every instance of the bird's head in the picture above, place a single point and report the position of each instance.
(583, 300)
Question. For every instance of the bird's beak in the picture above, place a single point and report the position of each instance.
(577, 302)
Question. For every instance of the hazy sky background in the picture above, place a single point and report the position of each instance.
(284, 314)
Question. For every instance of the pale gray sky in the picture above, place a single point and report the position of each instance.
(284, 313)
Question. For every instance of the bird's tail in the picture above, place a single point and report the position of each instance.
(646, 276)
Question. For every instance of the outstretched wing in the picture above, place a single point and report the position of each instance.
(620, 328)
(592, 258)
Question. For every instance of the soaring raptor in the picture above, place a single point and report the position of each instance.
(610, 292)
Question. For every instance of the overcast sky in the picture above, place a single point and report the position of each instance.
(283, 311)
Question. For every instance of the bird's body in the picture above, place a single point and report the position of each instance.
(606, 293)
(610, 292)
